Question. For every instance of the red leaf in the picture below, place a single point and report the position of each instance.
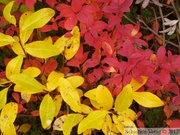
(148, 37)
(70, 22)
(51, 3)
(2, 74)
(140, 124)
(29, 4)
(156, 26)
(20, 108)
(46, 28)
(176, 100)
(16, 97)
(35, 113)
(33, 63)
(164, 77)
(167, 111)
(175, 123)
(49, 66)
(161, 54)
(90, 63)
(76, 5)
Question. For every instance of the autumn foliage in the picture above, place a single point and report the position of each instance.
(74, 66)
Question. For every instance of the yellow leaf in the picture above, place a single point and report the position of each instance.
(61, 43)
(71, 121)
(107, 125)
(129, 114)
(52, 80)
(100, 97)
(14, 66)
(41, 49)
(4, 81)
(46, 111)
(76, 81)
(87, 132)
(136, 85)
(7, 13)
(58, 103)
(71, 49)
(69, 94)
(94, 120)
(8, 115)
(31, 86)
(58, 123)
(124, 99)
(16, 47)
(32, 71)
(25, 34)
(48, 40)
(3, 97)
(85, 109)
(10, 130)
(24, 128)
(147, 99)
(25, 97)
(38, 19)
(129, 125)
(118, 124)
(5, 40)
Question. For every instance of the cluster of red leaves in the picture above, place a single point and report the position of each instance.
(112, 52)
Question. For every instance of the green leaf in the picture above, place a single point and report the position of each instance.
(14, 66)
(41, 49)
(46, 111)
(5, 40)
(25, 34)
(38, 19)
(8, 115)
(124, 99)
(94, 120)
(7, 13)
(71, 121)
(69, 94)
(147, 99)
(3, 97)
(31, 85)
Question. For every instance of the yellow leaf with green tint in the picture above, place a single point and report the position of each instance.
(46, 111)
(58, 102)
(8, 115)
(71, 49)
(124, 99)
(38, 19)
(41, 49)
(14, 66)
(31, 85)
(76, 81)
(16, 47)
(3, 97)
(25, 34)
(71, 121)
(5, 40)
(147, 99)
(85, 109)
(69, 94)
(7, 13)
(136, 85)
(61, 43)
(100, 98)
(32, 71)
(52, 80)
(10, 130)
(48, 40)
(93, 121)
(59, 122)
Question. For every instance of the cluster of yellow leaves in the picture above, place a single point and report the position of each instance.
(109, 114)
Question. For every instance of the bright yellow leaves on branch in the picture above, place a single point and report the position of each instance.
(128, 93)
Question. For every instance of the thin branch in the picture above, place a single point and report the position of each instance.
(140, 20)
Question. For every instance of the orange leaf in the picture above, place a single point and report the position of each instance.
(169, 1)
(35, 113)
(140, 124)
(159, 40)
(167, 111)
